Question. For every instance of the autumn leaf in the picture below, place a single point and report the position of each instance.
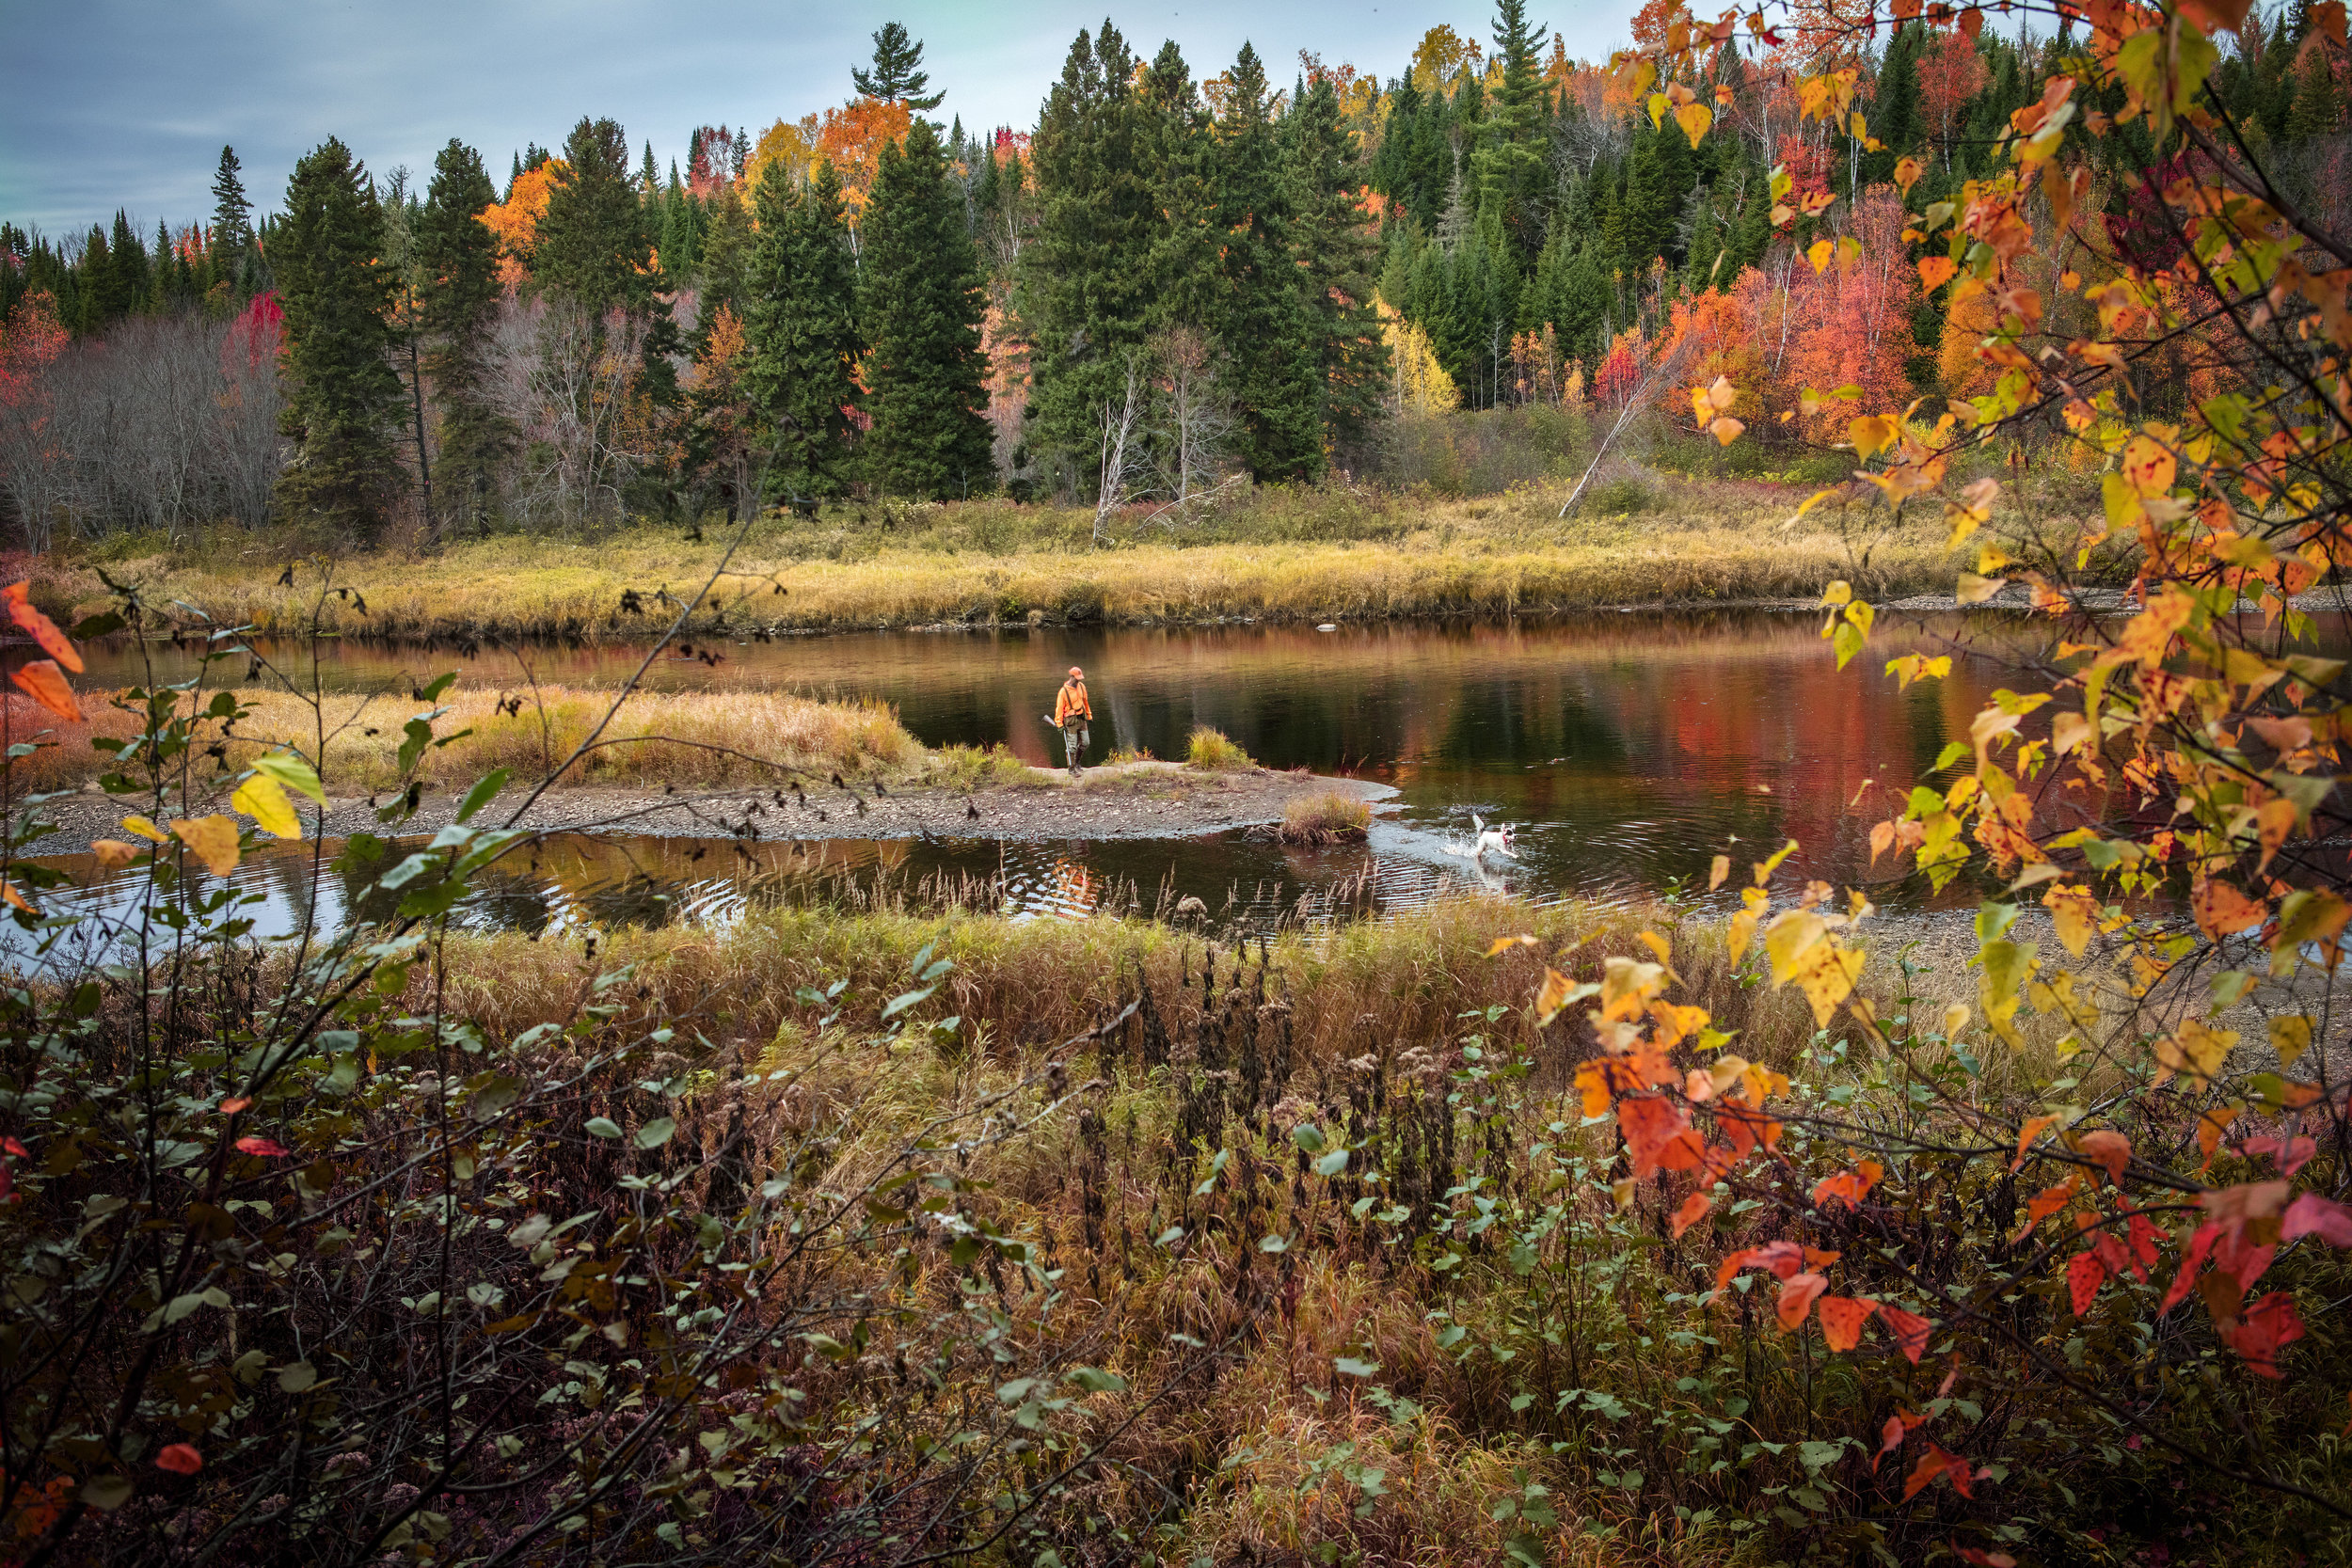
(2085, 1274)
(1843, 1319)
(262, 798)
(2049, 1201)
(2195, 1049)
(39, 628)
(1898, 1425)
(263, 1147)
(42, 681)
(1717, 872)
(1796, 1299)
(180, 1459)
(1848, 1187)
(2223, 911)
(2265, 1329)
(1504, 944)
(1726, 430)
(1819, 253)
(113, 854)
(2148, 467)
(214, 839)
(1937, 1461)
(2110, 1151)
(1935, 271)
(1910, 1331)
(1694, 119)
(1693, 1209)
(2074, 911)
(1657, 1135)
(144, 827)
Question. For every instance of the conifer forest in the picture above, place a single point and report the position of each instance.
(1504, 807)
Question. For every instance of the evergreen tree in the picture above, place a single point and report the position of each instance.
(1084, 287)
(898, 76)
(726, 254)
(341, 391)
(1335, 252)
(458, 259)
(648, 176)
(1264, 315)
(594, 248)
(1510, 166)
(128, 257)
(1179, 154)
(233, 218)
(923, 305)
(800, 331)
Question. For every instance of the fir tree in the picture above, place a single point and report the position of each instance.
(1179, 154)
(1336, 252)
(800, 331)
(594, 249)
(233, 218)
(1511, 166)
(923, 305)
(341, 391)
(725, 254)
(458, 258)
(898, 76)
(127, 257)
(1264, 314)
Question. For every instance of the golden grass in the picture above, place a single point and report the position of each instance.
(1211, 751)
(1325, 818)
(1330, 554)
(696, 740)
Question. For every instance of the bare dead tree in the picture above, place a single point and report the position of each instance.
(1119, 454)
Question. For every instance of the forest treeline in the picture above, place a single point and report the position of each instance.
(1167, 284)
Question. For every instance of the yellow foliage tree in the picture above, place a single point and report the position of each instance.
(515, 220)
(1421, 385)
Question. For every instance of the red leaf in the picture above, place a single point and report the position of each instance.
(44, 682)
(232, 1106)
(2314, 1215)
(2143, 1243)
(1931, 1463)
(1910, 1331)
(1783, 1258)
(1848, 1187)
(1891, 1435)
(1843, 1319)
(2265, 1329)
(180, 1459)
(41, 627)
(16, 1149)
(263, 1147)
(1693, 1209)
(2290, 1153)
(1658, 1134)
(2200, 1245)
(2111, 1151)
(1983, 1559)
(1796, 1299)
(2085, 1274)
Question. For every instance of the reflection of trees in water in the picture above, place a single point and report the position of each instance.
(504, 900)
(647, 901)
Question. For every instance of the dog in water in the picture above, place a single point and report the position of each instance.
(1497, 840)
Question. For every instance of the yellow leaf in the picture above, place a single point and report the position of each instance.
(1973, 589)
(2196, 1049)
(1726, 430)
(1826, 971)
(1788, 938)
(1819, 253)
(1869, 433)
(2290, 1036)
(1657, 106)
(1717, 872)
(214, 839)
(1505, 945)
(1907, 172)
(2076, 913)
(113, 854)
(144, 827)
(16, 900)
(1694, 119)
(264, 798)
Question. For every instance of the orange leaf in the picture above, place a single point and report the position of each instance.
(1848, 1187)
(41, 627)
(2085, 1274)
(1693, 1209)
(214, 839)
(1891, 1435)
(44, 682)
(2048, 1201)
(1783, 1258)
(1658, 1134)
(261, 1147)
(2034, 1128)
(1843, 1318)
(1796, 1299)
(2221, 910)
(113, 854)
(1935, 271)
(1909, 1329)
(180, 1459)
(1933, 1464)
(16, 900)
(2110, 1151)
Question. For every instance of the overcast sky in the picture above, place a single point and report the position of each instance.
(126, 103)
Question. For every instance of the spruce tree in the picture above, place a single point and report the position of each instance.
(1264, 319)
(127, 257)
(1085, 282)
(1511, 166)
(1336, 254)
(923, 305)
(1178, 154)
(233, 218)
(898, 76)
(800, 331)
(458, 258)
(341, 391)
(594, 248)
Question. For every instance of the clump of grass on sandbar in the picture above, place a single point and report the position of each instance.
(1327, 816)
(1211, 750)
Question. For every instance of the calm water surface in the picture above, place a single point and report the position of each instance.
(1628, 750)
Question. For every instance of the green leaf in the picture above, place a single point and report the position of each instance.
(1095, 1382)
(1307, 1136)
(100, 624)
(441, 683)
(1332, 1163)
(295, 1376)
(900, 1004)
(1274, 1243)
(290, 770)
(603, 1127)
(1169, 1237)
(486, 790)
(1350, 1367)
(656, 1133)
(419, 734)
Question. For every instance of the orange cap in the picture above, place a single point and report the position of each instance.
(1075, 671)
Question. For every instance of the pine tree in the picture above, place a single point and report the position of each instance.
(648, 176)
(725, 254)
(1264, 319)
(127, 257)
(458, 258)
(898, 76)
(1336, 252)
(1510, 165)
(1178, 154)
(341, 391)
(233, 218)
(800, 331)
(923, 305)
(593, 248)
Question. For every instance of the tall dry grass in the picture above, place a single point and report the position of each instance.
(695, 740)
(1307, 554)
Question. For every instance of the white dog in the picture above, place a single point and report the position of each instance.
(1496, 840)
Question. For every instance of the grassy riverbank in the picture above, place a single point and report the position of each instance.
(1281, 555)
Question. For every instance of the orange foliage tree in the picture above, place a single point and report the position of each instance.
(853, 137)
(515, 220)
